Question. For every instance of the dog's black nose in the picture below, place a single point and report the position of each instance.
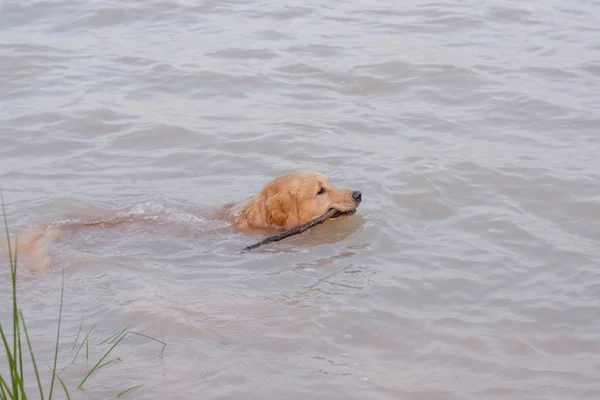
(357, 195)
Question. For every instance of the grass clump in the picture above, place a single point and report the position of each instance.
(12, 385)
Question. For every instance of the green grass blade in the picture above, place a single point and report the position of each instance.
(95, 367)
(10, 257)
(114, 360)
(17, 329)
(62, 292)
(20, 359)
(84, 342)
(115, 335)
(4, 390)
(10, 359)
(35, 368)
(64, 387)
(124, 392)
(77, 337)
(14, 368)
(149, 337)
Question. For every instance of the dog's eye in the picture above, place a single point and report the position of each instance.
(321, 191)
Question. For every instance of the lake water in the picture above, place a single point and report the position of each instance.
(471, 270)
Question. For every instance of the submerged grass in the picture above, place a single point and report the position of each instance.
(13, 387)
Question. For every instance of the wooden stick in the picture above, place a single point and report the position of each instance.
(294, 231)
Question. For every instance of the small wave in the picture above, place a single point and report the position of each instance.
(155, 211)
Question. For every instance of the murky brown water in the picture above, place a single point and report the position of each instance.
(470, 272)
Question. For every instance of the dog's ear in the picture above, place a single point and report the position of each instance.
(282, 208)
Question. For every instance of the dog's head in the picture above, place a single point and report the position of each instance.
(294, 199)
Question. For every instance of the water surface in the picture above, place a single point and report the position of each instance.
(470, 272)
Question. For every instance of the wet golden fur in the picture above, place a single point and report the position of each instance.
(293, 199)
(284, 203)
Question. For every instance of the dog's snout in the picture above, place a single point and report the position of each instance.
(357, 195)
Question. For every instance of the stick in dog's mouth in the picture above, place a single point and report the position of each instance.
(331, 213)
(338, 213)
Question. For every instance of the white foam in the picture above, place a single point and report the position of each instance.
(154, 211)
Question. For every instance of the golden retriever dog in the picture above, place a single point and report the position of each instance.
(294, 199)
(284, 203)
